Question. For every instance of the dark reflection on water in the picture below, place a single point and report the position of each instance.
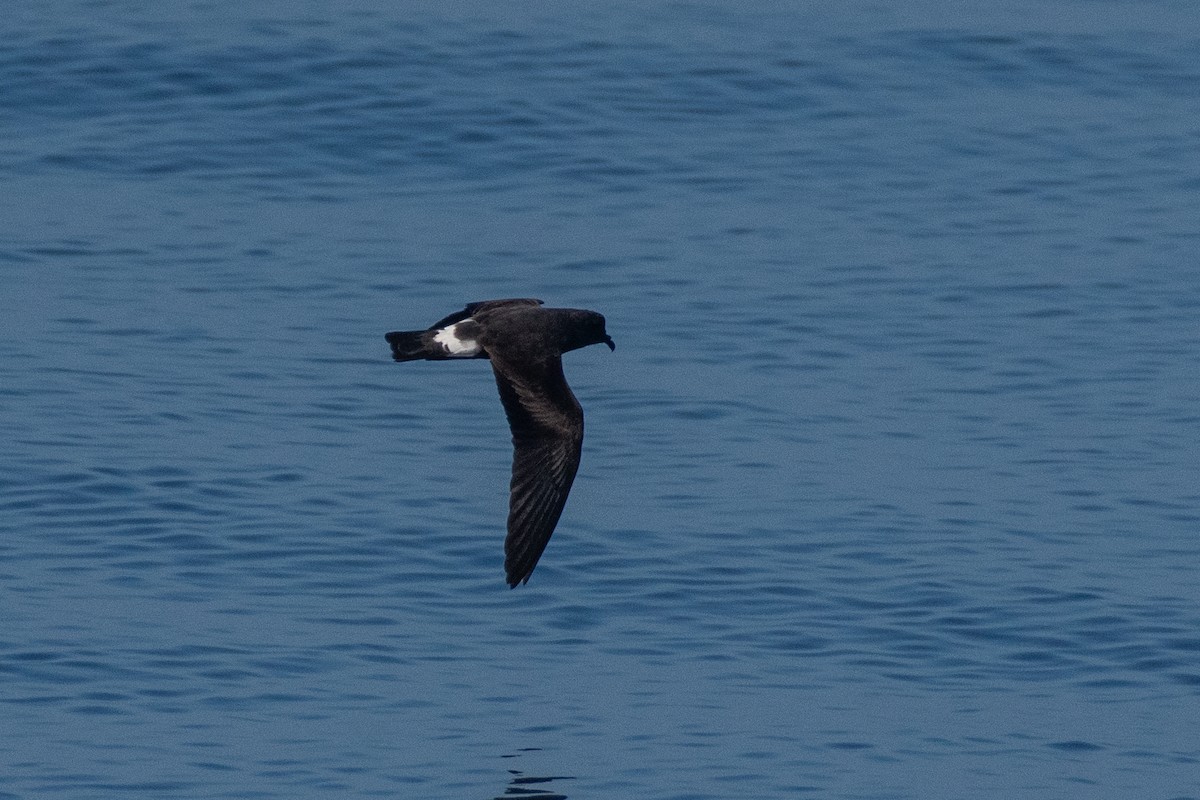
(520, 788)
(526, 786)
(892, 479)
(522, 785)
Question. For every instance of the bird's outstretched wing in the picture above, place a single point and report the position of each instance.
(547, 431)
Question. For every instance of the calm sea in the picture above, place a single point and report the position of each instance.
(889, 490)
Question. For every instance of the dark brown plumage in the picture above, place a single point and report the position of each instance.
(525, 343)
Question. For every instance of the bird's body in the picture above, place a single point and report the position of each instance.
(525, 343)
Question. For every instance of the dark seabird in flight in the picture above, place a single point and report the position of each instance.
(525, 343)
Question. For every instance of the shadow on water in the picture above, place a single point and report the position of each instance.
(522, 785)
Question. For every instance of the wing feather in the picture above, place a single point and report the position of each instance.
(484, 305)
(547, 430)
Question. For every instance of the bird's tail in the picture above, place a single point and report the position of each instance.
(408, 345)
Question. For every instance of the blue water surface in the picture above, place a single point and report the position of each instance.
(889, 489)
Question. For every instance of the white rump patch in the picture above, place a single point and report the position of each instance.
(447, 337)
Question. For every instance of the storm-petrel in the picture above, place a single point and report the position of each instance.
(525, 343)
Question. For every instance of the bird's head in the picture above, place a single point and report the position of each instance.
(587, 327)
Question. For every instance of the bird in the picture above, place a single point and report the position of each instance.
(524, 342)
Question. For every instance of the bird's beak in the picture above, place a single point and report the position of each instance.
(608, 341)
